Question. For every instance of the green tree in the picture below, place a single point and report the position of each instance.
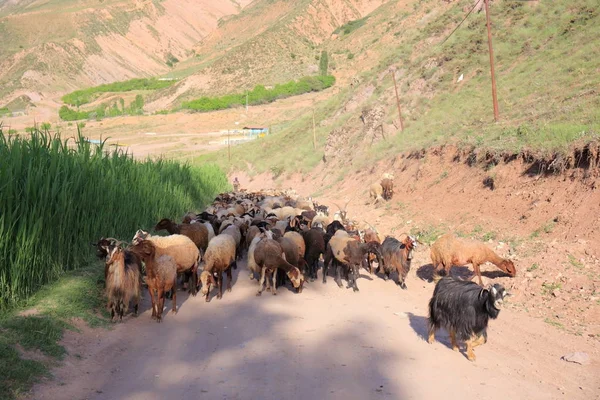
(324, 63)
(139, 102)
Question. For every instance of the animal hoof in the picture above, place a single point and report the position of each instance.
(471, 358)
(229, 289)
(207, 300)
(455, 348)
(259, 293)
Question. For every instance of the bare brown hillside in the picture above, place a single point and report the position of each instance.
(52, 48)
(270, 42)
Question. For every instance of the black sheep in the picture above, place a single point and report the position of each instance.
(315, 246)
(463, 308)
(331, 229)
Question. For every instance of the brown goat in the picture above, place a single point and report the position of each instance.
(388, 188)
(449, 250)
(397, 256)
(161, 276)
(197, 232)
(269, 256)
(371, 236)
(122, 283)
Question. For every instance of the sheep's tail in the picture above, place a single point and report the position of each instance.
(436, 277)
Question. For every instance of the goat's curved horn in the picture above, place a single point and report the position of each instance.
(371, 226)
(403, 233)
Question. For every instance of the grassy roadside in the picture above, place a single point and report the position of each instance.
(30, 341)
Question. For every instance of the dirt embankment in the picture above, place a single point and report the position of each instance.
(545, 220)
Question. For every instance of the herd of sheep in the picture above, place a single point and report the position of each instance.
(284, 237)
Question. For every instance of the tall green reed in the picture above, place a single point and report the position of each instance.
(57, 196)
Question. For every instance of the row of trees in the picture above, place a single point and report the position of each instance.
(116, 109)
(262, 95)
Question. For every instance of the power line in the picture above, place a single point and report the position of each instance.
(463, 20)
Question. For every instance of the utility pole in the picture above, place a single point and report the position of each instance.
(314, 131)
(397, 99)
(489, 32)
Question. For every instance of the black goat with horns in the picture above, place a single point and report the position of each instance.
(463, 308)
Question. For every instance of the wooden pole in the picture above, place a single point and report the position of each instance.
(314, 131)
(397, 100)
(489, 32)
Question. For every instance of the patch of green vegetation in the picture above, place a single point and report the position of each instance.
(573, 261)
(17, 374)
(548, 288)
(533, 267)
(324, 63)
(276, 170)
(171, 61)
(350, 26)
(442, 176)
(84, 96)
(116, 109)
(489, 236)
(547, 228)
(262, 95)
(554, 323)
(428, 234)
(77, 294)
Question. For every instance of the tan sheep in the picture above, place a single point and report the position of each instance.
(219, 258)
(181, 248)
(449, 250)
(197, 232)
(376, 193)
(298, 241)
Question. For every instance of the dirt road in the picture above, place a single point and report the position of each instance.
(326, 343)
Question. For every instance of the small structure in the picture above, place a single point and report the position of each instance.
(255, 132)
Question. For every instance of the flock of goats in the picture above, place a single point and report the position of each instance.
(284, 237)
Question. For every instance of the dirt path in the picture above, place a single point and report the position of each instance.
(324, 343)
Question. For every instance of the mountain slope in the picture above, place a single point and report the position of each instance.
(272, 41)
(51, 47)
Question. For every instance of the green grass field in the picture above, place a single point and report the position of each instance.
(59, 196)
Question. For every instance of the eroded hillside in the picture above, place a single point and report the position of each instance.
(49, 48)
